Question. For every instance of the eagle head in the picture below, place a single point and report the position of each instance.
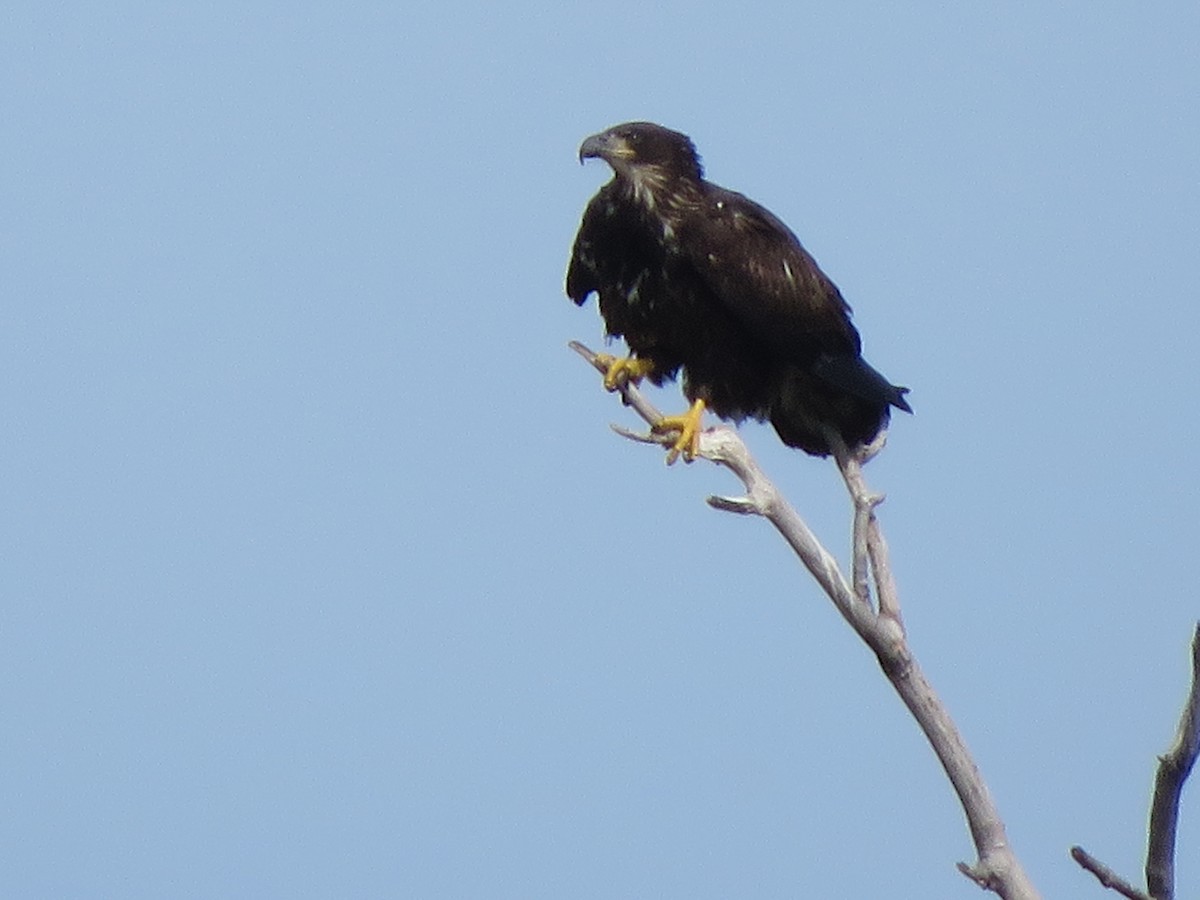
(637, 146)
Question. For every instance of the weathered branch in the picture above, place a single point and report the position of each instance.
(997, 867)
(871, 538)
(1107, 876)
(1173, 770)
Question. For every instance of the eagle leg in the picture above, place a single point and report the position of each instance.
(623, 370)
(688, 426)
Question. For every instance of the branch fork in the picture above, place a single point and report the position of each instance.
(1174, 766)
(877, 620)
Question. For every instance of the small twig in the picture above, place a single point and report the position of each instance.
(1173, 769)
(864, 504)
(860, 555)
(860, 549)
(889, 597)
(997, 868)
(1107, 876)
(866, 526)
(630, 395)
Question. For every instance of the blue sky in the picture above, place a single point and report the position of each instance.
(323, 575)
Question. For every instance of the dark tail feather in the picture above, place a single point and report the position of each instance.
(854, 375)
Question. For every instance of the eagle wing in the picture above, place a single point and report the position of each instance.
(582, 274)
(612, 255)
(757, 269)
(761, 274)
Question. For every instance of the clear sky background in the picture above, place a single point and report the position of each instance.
(323, 575)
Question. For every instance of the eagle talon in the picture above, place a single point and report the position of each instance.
(623, 370)
(688, 426)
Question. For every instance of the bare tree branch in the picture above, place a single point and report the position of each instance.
(1173, 770)
(1107, 876)
(997, 868)
(864, 512)
(865, 502)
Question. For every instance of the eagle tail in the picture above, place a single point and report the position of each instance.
(854, 375)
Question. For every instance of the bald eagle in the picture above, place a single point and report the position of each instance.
(702, 280)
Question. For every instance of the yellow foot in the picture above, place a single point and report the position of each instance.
(623, 370)
(688, 426)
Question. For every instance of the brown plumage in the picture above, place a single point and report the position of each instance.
(702, 280)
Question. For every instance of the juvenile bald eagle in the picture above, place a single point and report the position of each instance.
(705, 281)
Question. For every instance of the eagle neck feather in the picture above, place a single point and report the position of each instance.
(662, 194)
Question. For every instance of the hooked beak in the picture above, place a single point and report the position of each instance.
(595, 147)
